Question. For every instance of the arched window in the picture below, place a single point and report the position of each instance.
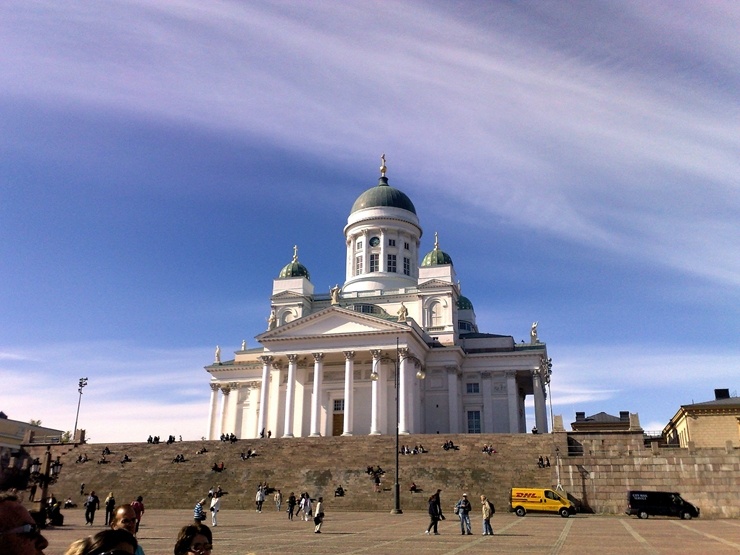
(435, 314)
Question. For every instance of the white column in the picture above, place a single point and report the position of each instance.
(453, 399)
(213, 416)
(487, 391)
(403, 427)
(511, 397)
(234, 422)
(289, 394)
(349, 379)
(382, 264)
(225, 412)
(262, 418)
(318, 370)
(375, 398)
(540, 407)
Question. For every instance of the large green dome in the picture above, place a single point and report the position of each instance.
(383, 195)
(294, 268)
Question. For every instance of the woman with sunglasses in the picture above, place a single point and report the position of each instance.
(194, 539)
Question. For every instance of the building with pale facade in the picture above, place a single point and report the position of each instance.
(330, 363)
(708, 424)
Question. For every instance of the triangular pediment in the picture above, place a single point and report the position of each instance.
(434, 284)
(290, 295)
(332, 321)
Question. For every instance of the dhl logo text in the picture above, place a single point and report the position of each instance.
(520, 495)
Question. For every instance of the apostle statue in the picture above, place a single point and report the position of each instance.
(272, 320)
(533, 334)
(334, 294)
(403, 313)
(218, 355)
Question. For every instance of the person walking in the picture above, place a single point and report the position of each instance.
(291, 505)
(306, 506)
(463, 508)
(91, 505)
(215, 507)
(488, 510)
(318, 518)
(138, 507)
(278, 500)
(259, 499)
(433, 515)
(110, 507)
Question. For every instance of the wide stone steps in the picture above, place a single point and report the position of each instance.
(316, 465)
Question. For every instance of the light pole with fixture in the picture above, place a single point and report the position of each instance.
(420, 374)
(82, 384)
(44, 474)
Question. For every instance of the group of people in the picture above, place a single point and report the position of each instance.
(82, 458)
(262, 434)
(230, 438)
(543, 462)
(179, 458)
(447, 445)
(488, 449)
(462, 509)
(19, 534)
(417, 449)
(218, 467)
(248, 455)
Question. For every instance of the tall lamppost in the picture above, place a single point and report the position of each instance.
(546, 369)
(82, 384)
(44, 475)
(420, 374)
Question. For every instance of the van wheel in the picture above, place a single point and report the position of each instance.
(642, 514)
(564, 512)
(686, 516)
(520, 511)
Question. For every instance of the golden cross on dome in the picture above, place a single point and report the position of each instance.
(295, 253)
(383, 169)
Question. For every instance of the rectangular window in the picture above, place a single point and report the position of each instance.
(391, 263)
(358, 265)
(472, 388)
(359, 245)
(473, 421)
(374, 262)
(391, 242)
(406, 266)
(406, 246)
(338, 405)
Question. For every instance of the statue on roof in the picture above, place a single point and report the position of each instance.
(272, 320)
(244, 344)
(403, 313)
(334, 292)
(533, 334)
(218, 355)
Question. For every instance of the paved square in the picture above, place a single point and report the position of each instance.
(245, 532)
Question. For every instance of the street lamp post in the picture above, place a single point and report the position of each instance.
(43, 475)
(374, 376)
(82, 384)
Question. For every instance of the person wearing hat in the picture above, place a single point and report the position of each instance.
(463, 508)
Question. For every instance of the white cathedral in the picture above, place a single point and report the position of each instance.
(331, 363)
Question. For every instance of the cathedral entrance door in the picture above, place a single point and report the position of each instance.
(337, 424)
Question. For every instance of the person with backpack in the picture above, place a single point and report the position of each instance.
(488, 510)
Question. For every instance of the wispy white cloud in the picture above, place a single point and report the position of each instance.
(131, 392)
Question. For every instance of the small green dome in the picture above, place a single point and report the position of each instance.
(436, 257)
(295, 268)
(383, 195)
(463, 303)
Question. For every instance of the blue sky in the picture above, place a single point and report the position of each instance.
(158, 161)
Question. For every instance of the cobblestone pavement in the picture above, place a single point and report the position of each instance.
(270, 532)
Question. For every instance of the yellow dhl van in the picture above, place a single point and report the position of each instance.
(540, 500)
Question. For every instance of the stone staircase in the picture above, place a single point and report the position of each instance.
(316, 465)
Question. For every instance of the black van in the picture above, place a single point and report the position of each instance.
(644, 503)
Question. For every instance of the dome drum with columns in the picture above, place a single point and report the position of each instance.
(327, 362)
